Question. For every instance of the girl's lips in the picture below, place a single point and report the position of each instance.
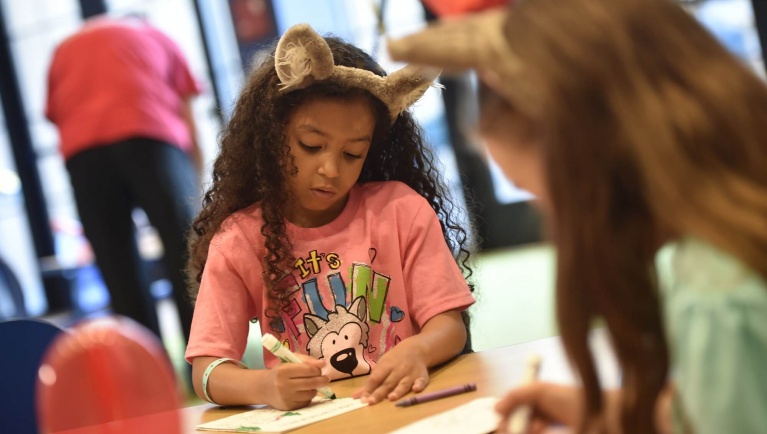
(322, 194)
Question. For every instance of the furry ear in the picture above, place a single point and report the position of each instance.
(302, 56)
(406, 86)
(359, 308)
(399, 90)
(313, 324)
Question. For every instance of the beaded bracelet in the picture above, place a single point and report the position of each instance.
(210, 369)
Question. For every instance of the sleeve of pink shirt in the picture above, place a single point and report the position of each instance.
(434, 283)
(223, 310)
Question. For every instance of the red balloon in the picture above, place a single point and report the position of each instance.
(108, 376)
(459, 7)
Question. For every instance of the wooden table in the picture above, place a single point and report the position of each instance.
(494, 371)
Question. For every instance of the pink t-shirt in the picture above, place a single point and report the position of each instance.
(117, 79)
(362, 283)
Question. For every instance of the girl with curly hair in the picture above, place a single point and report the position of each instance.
(328, 222)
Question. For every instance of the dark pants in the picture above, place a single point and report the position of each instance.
(109, 182)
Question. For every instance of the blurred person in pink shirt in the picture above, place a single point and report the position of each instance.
(119, 91)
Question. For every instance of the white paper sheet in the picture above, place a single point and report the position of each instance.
(475, 417)
(268, 420)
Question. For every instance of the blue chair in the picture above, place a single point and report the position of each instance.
(24, 342)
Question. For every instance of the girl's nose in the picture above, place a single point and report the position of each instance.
(329, 168)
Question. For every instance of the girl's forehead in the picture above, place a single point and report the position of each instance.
(334, 116)
(323, 100)
(325, 107)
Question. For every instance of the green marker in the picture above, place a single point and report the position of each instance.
(275, 347)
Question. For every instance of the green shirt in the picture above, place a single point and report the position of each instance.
(716, 322)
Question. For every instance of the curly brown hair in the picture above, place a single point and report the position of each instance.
(254, 163)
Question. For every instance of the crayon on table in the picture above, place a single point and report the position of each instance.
(426, 397)
(275, 347)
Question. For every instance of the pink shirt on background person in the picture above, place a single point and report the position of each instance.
(117, 79)
(361, 284)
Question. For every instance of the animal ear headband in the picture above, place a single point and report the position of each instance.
(303, 57)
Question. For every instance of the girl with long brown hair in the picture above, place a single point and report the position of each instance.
(328, 222)
(646, 144)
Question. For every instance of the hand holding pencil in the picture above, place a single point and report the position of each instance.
(534, 405)
(295, 383)
(550, 404)
(275, 347)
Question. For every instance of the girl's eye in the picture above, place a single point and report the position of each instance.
(352, 156)
(308, 148)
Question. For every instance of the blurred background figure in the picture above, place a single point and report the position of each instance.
(119, 92)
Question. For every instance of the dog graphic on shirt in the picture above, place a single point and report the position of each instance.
(341, 340)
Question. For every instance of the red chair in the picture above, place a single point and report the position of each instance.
(108, 376)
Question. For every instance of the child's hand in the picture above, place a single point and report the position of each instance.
(400, 371)
(550, 404)
(295, 384)
(553, 404)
